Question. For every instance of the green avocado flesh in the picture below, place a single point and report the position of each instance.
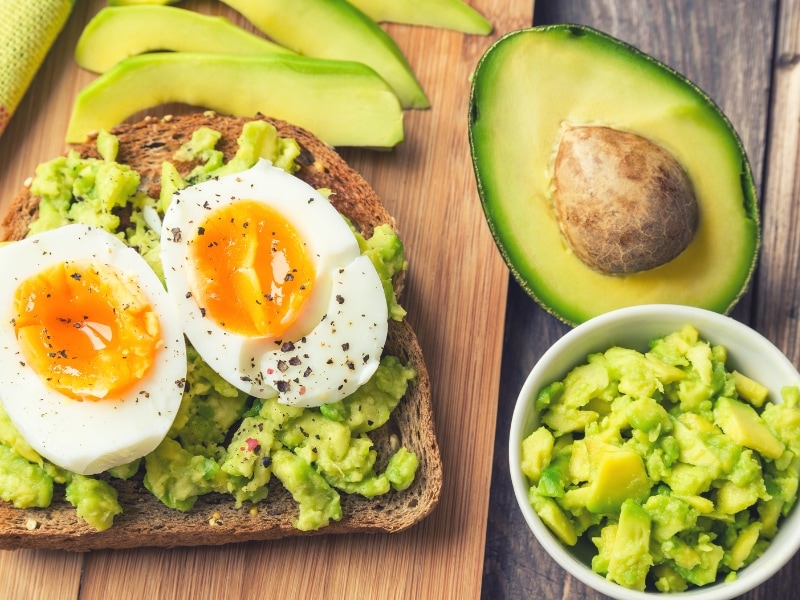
(529, 84)
(344, 103)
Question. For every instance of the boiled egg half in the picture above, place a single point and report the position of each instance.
(271, 287)
(92, 356)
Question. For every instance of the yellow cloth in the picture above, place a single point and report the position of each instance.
(28, 29)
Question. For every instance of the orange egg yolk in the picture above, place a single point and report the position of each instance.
(251, 272)
(86, 329)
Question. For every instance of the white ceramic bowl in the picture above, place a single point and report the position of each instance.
(748, 352)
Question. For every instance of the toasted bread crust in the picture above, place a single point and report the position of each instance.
(214, 520)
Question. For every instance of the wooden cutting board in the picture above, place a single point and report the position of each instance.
(455, 297)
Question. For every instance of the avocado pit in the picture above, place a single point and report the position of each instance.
(623, 203)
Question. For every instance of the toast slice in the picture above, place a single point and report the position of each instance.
(214, 520)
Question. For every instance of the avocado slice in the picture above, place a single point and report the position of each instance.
(445, 14)
(343, 103)
(533, 84)
(338, 30)
(115, 33)
(141, 2)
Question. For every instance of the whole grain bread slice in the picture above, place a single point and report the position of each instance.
(215, 520)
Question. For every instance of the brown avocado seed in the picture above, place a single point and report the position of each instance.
(624, 204)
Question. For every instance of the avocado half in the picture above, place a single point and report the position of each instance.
(530, 83)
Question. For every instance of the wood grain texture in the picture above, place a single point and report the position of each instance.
(778, 312)
(729, 50)
(455, 295)
(40, 574)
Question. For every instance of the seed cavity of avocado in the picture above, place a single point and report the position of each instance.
(623, 203)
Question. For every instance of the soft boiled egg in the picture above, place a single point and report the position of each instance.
(271, 287)
(92, 356)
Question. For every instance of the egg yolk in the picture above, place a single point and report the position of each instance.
(251, 271)
(88, 331)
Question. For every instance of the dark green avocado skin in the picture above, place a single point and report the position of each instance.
(529, 82)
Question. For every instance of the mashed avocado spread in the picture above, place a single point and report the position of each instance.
(675, 470)
(222, 440)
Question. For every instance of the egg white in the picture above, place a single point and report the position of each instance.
(88, 436)
(336, 346)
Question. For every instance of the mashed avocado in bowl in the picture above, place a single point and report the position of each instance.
(654, 451)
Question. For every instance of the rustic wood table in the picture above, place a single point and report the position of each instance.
(746, 56)
(480, 333)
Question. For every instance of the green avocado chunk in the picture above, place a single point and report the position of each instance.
(617, 474)
(177, 477)
(23, 483)
(742, 424)
(539, 91)
(94, 499)
(626, 559)
(318, 502)
(116, 33)
(401, 469)
(344, 103)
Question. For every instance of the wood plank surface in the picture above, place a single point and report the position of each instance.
(778, 316)
(455, 295)
(746, 56)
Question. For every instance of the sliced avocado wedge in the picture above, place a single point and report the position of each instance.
(445, 14)
(338, 30)
(530, 87)
(115, 33)
(343, 103)
(141, 2)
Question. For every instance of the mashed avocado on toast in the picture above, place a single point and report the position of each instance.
(672, 469)
(222, 441)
